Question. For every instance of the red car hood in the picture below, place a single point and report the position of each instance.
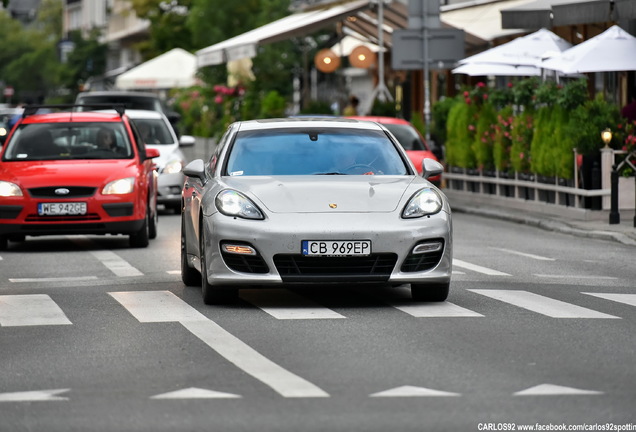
(66, 173)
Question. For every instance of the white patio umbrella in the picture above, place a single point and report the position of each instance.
(527, 50)
(496, 69)
(611, 51)
(173, 69)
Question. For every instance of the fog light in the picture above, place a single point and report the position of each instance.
(427, 248)
(238, 249)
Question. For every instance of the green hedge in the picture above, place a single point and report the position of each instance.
(528, 127)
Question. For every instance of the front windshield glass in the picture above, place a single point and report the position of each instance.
(153, 131)
(318, 152)
(59, 141)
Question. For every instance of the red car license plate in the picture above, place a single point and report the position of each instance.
(61, 208)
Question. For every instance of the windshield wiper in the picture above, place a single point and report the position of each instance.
(330, 173)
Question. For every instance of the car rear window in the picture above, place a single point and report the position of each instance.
(59, 141)
(306, 152)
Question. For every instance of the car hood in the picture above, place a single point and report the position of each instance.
(324, 194)
(66, 173)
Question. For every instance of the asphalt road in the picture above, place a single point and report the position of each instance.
(539, 330)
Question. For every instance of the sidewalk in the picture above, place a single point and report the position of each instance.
(624, 232)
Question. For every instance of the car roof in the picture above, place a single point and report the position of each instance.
(144, 114)
(75, 116)
(304, 122)
(382, 119)
(118, 93)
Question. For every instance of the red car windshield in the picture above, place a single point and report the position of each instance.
(61, 141)
(406, 135)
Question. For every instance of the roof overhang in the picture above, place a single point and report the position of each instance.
(298, 24)
(552, 13)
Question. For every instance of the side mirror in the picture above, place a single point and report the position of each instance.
(152, 153)
(431, 168)
(186, 141)
(195, 169)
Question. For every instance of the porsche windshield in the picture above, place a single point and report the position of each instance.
(57, 141)
(272, 152)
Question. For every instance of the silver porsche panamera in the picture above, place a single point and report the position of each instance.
(320, 201)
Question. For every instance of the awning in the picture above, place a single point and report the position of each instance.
(483, 21)
(173, 69)
(481, 24)
(297, 24)
(551, 13)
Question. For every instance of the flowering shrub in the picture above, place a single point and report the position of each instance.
(529, 126)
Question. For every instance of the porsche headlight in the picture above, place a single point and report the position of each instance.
(8, 189)
(233, 203)
(172, 167)
(120, 187)
(425, 202)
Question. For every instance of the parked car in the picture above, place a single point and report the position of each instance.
(156, 132)
(77, 173)
(410, 138)
(131, 100)
(287, 201)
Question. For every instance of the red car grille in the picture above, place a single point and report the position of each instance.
(67, 218)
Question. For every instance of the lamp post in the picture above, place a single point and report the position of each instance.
(614, 215)
(606, 136)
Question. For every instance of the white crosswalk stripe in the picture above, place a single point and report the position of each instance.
(30, 310)
(286, 305)
(541, 304)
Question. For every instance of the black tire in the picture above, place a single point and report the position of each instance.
(4, 242)
(141, 238)
(190, 276)
(212, 295)
(430, 292)
(154, 222)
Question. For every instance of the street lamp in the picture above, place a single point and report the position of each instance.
(606, 136)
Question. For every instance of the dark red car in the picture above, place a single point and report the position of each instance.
(409, 137)
(76, 172)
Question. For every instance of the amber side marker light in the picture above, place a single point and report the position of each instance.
(239, 249)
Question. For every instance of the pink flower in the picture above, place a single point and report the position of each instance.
(509, 85)
(218, 99)
(481, 84)
(471, 127)
(485, 96)
(466, 94)
(468, 101)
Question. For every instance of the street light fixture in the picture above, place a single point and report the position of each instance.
(606, 136)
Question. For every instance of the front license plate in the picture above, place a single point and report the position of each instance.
(61, 208)
(336, 247)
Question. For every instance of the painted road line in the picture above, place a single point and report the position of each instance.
(477, 268)
(412, 391)
(116, 264)
(555, 390)
(629, 299)
(33, 396)
(400, 298)
(30, 310)
(435, 310)
(523, 254)
(575, 277)
(53, 279)
(163, 306)
(196, 393)
(286, 305)
(541, 304)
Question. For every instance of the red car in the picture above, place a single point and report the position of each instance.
(77, 173)
(410, 138)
